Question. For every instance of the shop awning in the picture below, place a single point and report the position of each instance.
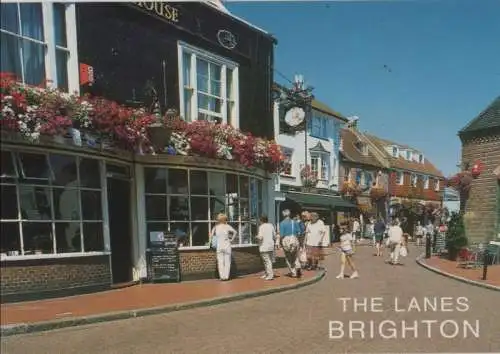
(319, 200)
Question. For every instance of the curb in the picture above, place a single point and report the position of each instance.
(24, 328)
(420, 261)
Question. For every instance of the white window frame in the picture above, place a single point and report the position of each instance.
(409, 155)
(421, 158)
(323, 163)
(395, 151)
(50, 46)
(217, 60)
(436, 185)
(400, 178)
(414, 180)
(426, 182)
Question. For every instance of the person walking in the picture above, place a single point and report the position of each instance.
(315, 234)
(347, 252)
(429, 232)
(224, 234)
(266, 237)
(288, 238)
(356, 230)
(394, 241)
(379, 230)
(419, 233)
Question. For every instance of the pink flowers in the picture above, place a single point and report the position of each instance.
(32, 111)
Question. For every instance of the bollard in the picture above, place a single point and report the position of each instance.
(427, 246)
(486, 260)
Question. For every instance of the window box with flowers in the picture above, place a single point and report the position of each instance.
(350, 189)
(33, 112)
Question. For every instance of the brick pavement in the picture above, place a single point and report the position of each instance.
(295, 321)
(139, 297)
(476, 274)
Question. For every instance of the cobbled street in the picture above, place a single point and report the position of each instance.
(297, 321)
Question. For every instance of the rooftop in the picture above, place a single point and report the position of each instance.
(487, 119)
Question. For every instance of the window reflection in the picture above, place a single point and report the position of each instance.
(178, 208)
(199, 182)
(9, 203)
(9, 233)
(38, 238)
(244, 186)
(199, 208)
(90, 173)
(93, 237)
(34, 166)
(232, 184)
(155, 180)
(7, 165)
(181, 230)
(245, 233)
(217, 183)
(217, 206)
(156, 207)
(66, 204)
(177, 181)
(200, 233)
(35, 203)
(91, 205)
(64, 170)
(68, 238)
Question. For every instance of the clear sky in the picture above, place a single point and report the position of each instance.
(442, 58)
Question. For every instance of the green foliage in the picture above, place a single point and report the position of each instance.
(455, 236)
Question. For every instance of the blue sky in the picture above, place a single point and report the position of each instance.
(444, 57)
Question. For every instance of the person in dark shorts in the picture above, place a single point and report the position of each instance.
(379, 230)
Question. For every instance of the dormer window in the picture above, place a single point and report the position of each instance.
(421, 158)
(408, 155)
(395, 151)
(362, 147)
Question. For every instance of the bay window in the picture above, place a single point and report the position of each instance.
(187, 201)
(51, 204)
(426, 182)
(39, 43)
(400, 179)
(414, 180)
(208, 86)
(320, 166)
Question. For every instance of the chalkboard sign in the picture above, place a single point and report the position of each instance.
(163, 260)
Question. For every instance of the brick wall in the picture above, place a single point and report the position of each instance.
(481, 213)
(32, 276)
(406, 190)
(199, 264)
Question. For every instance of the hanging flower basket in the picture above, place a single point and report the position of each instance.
(308, 177)
(350, 189)
(377, 193)
(461, 182)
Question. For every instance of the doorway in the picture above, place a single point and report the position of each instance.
(120, 229)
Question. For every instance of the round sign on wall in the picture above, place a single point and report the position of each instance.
(295, 116)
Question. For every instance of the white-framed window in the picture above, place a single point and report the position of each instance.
(320, 165)
(400, 179)
(320, 126)
(408, 155)
(187, 201)
(436, 185)
(426, 182)
(208, 85)
(421, 158)
(39, 44)
(395, 151)
(287, 165)
(414, 180)
(52, 204)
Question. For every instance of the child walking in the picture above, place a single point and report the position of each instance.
(347, 252)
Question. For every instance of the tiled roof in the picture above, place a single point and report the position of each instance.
(351, 153)
(487, 119)
(400, 163)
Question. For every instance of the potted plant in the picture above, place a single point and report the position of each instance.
(308, 177)
(455, 236)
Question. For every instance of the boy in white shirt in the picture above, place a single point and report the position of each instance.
(346, 240)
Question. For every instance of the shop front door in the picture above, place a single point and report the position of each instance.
(120, 229)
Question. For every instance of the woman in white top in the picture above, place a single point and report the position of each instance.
(315, 234)
(394, 241)
(419, 232)
(266, 238)
(346, 240)
(224, 235)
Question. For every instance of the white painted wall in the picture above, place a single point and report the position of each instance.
(297, 143)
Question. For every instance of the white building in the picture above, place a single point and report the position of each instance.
(320, 151)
